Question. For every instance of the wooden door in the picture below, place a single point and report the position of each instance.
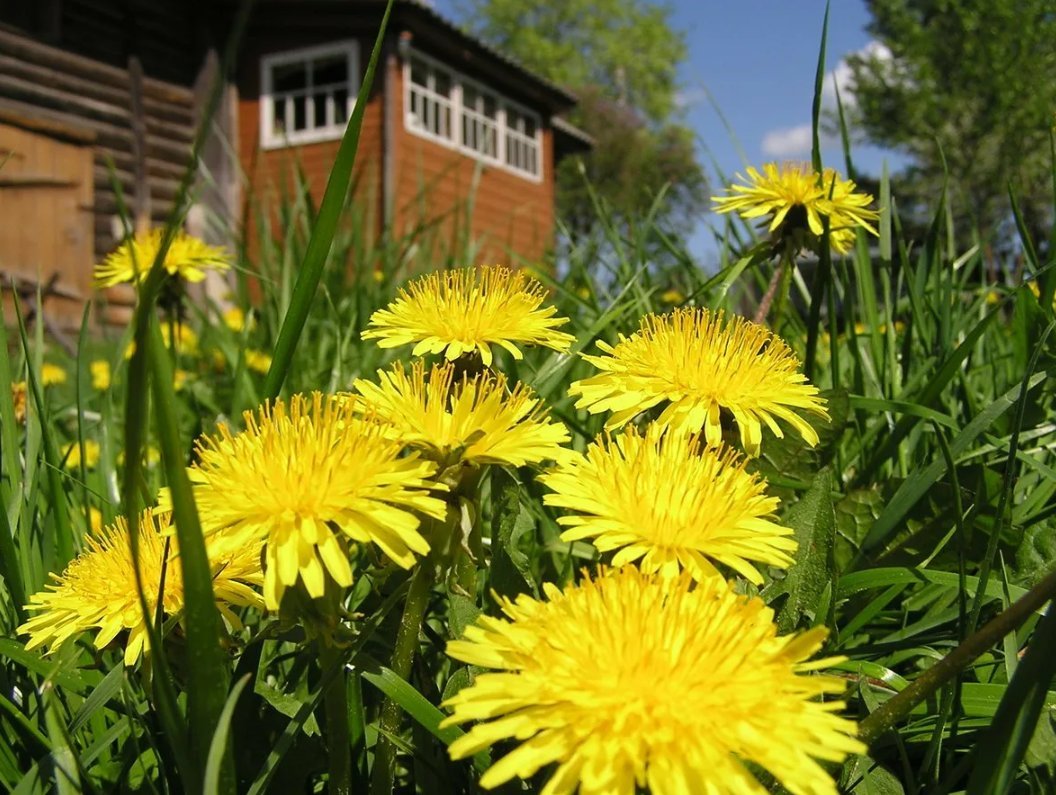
(46, 221)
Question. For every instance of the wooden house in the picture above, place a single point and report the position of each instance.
(100, 101)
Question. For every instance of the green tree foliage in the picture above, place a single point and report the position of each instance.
(621, 58)
(969, 87)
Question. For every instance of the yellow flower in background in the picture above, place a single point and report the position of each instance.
(100, 371)
(235, 319)
(461, 311)
(661, 501)
(187, 257)
(796, 199)
(696, 363)
(629, 682)
(18, 399)
(71, 454)
(52, 374)
(179, 379)
(307, 477)
(478, 420)
(97, 591)
(185, 336)
(95, 517)
(258, 361)
(673, 297)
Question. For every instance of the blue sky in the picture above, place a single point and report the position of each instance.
(756, 60)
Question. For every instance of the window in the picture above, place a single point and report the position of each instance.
(307, 95)
(455, 111)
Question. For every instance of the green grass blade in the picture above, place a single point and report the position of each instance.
(1001, 749)
(819, 86)
(311, 270)
(219, 743)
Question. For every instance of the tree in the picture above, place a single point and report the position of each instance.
(621, 58)
(970, 84)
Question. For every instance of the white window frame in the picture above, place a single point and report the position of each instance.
(458, 112)
(333, 130)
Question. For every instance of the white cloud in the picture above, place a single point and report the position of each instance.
(789, 142)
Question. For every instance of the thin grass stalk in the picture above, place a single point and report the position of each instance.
(335, 705)
(898, 707)
(402, 658)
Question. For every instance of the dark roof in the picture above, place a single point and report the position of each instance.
(429, 30)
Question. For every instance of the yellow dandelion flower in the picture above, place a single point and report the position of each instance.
(304, 476)
(187, 257)
(661, 500)
(18, 399)
(98, 589)
(673, 296)
(185, 337)
(478, 420)
(461, 311)
(235, 319)
(179, 379)
(95, 517)
(258, 361)
(796, 199)
(100, 371)
(71, 454)
(52, 374)
(629, 682)
(698, 363)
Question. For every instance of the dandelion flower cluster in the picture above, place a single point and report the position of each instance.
(668, 505)
(302, 478)
(696, 363)
(187, 257)
(796, 199)
(462, 311)
(628, 681)
(97, 591)
(478, 420)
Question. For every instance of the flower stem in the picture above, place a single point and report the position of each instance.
(402, 658)
(884, 718)
(335, 704)
(771, 291)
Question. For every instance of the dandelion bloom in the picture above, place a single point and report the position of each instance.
(97, 591)
(258, 361)
(52, 374)
(72, 457)
(478, 420)
(661, 500)
(100, 372)
(306, 476)
(235, 319)
(18, 399)
(461, 311)
(187, 257)
(185, 337)
(697, 363)
(796, 199)
(630, 681)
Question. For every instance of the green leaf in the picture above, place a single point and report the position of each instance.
(863, 776)
(219, 743)
(418, 707)
(814, 522)
(510, 572)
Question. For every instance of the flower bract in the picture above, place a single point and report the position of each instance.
(305, 477)
(478, 420)
(187, 257)
(462, 311)
(97, 591)
(794, 197)
(696, 363)
(629, 681)
(663, 501)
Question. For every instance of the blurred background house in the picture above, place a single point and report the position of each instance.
(100, 99)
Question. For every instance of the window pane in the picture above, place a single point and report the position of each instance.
(529, 126)
(470, 97)
(419, 72)
(341, 106)
(329, 70)
(445, 122)
(491, 107)
(300, 115)
(442, 84)
(289, 77)
(278, 117)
